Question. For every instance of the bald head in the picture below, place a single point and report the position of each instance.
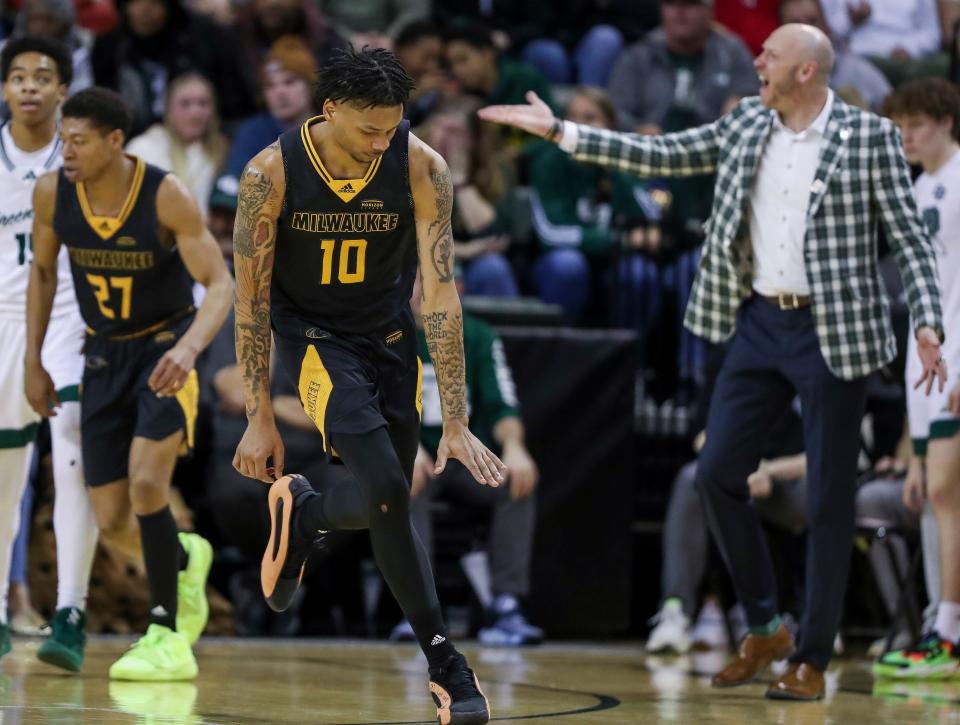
(804, 44)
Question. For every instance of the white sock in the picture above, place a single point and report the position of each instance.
(73, 520)
(948, 621)
(14, 464)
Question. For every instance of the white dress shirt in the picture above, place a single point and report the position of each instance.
(779, 202)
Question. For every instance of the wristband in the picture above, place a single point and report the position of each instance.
(555, 130)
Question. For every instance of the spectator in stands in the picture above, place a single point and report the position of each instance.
(481, 174)
(373, 22)
(751, 20)
(856, 79)
(419, 48)
(586, 58)
(483, 71)
(582, 213)
(158, 40)
(903, 37)
(494, 415)
(188, 142)
(889, 500)
(263, 22)
(685, 73)
(58, 19)
(96, 16)
(286, 79)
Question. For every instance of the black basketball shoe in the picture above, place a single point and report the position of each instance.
(457, 694)
(281, 569)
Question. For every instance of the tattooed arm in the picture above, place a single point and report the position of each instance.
(262, 188)
(441, 312)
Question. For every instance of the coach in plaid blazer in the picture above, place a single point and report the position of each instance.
(789, 276)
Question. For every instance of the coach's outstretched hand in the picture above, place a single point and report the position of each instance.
(536, 117)
(458, 442)
(40, 391)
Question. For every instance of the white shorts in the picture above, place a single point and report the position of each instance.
(928, 415)
(62, 358)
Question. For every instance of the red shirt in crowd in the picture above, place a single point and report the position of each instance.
(752, 20)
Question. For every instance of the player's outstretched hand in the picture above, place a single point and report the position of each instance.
(171, 372)
(40, 391)
(458, 442)
(536, 117)
(931, 355)
(260, 442)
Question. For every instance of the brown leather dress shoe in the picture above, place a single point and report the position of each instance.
(756, 652)
(800, 682)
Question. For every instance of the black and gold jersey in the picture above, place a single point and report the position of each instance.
(346, 251)
(128, 278)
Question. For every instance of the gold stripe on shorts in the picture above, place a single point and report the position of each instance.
(315, 387)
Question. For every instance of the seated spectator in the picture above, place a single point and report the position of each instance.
(286, 78)
(587, 58)
(854, 78)
(58, 19)
(483, 71)
(685, 73)
(582, 213)
(188, 142)
(374, 23)
(902, 37)
(158, 40)
(95, 16)
(894, 499)
(482, 180)
(262, 23)
(495, 418)
(751, 20)
(419, 48)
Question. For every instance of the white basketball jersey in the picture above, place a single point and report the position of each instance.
(938, 199)
(19, 171)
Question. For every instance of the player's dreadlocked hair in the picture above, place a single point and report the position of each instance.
(366, 78)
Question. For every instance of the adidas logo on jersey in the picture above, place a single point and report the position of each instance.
(347, 189)
(159, 611)
(30, 176)
(315, 333)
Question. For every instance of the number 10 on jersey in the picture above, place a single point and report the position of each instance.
(352, 265)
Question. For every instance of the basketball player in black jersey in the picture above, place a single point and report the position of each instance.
(137, 242)
(333, 221)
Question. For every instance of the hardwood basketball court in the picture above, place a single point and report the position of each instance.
(310, 682)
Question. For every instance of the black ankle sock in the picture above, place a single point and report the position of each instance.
(432, 636)
(310, 519)
(158, 535)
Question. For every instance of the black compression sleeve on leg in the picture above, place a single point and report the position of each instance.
(373, 461)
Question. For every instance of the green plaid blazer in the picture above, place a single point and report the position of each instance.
(862, 179)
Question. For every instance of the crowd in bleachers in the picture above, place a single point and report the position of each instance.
(212, 82)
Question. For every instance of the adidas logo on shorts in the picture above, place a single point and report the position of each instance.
(437, 639)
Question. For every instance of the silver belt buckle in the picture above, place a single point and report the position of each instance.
(788, 301)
